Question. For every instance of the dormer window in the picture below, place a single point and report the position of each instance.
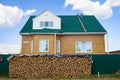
(51, 23)
(46, 23)
(41, 24)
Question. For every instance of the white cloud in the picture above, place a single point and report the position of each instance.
(12, 15)
(9, 48)
(29, 12)
(113, 2)
(88, 7)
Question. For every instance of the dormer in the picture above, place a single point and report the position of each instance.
(46, 20)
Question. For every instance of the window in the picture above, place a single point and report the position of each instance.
(43, 45)
(46, 23)
(58, 45)
(41, 24)
(83, 46)
(51, 23)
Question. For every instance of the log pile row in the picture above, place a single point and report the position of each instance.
(49, 66)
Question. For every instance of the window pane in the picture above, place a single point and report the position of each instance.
(78, 46)
(51, 23)
(46, 24)
(41, 23)
(89, 46)
(58, 46)
(43, 46)
(83, 48)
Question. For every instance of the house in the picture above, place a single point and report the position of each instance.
(62, 34)
(114, 52)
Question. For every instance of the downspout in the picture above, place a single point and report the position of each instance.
(55, 43)
(107, 43)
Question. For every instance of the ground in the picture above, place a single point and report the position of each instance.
(4, 76)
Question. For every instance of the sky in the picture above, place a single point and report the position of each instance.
(15, 13)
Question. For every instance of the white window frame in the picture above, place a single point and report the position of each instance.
(58, 45)
(49, 24)
(83, 51)
(47, 46)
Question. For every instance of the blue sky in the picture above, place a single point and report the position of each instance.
(14, 14)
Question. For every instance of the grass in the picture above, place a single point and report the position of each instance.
(101, 76)
(91, 77)
(3, 74)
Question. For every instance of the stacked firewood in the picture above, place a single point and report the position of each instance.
(49, 66)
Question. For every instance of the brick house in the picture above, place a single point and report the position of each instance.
(65, 34)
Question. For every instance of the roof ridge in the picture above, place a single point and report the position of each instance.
(81, 23)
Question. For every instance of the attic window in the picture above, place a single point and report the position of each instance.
(46, 23)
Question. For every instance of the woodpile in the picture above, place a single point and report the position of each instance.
(49, 66)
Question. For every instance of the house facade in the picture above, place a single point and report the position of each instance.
(66, 34)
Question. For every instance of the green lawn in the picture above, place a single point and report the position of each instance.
(4, 76)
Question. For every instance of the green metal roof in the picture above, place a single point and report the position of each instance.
(69, 24)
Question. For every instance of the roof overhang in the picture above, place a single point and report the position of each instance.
(66, 33)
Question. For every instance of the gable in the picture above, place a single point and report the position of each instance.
(46, 20)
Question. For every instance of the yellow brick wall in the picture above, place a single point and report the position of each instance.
(51, 43)
(26, 44)
(67, 43)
